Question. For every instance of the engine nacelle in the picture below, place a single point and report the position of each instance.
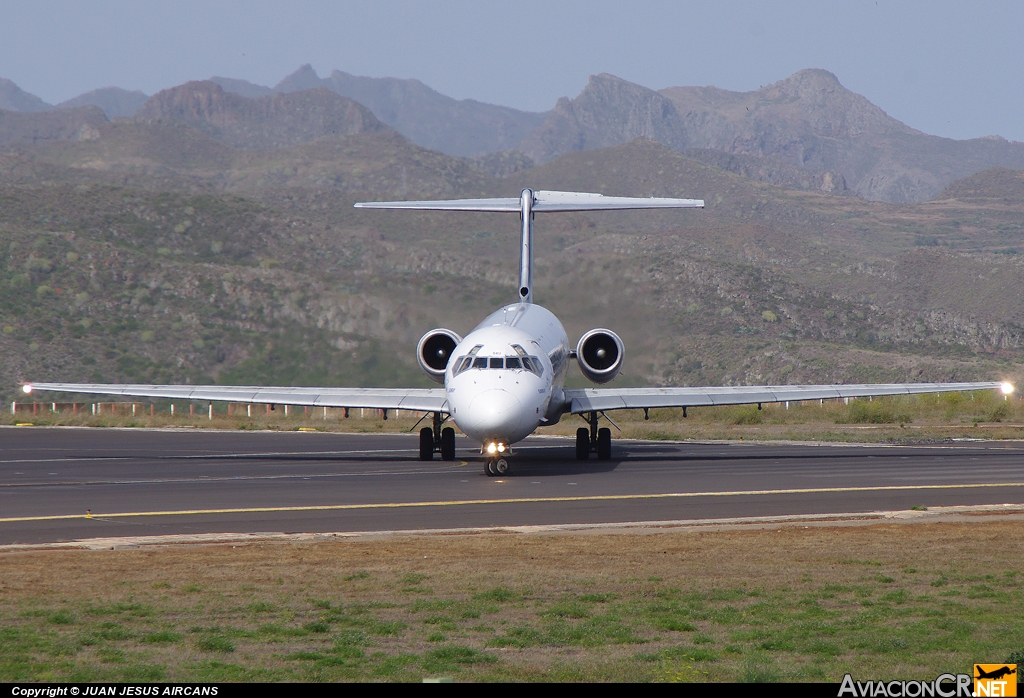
(599, 354)
(434, 351)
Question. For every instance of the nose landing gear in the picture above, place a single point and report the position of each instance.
(437, 440)
(496, 467)
(593, 440)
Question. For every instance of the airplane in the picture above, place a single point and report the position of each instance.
(995, 673)
(506, 378)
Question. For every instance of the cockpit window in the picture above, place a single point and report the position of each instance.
(464, 363)
(532, 365)
(521, 362)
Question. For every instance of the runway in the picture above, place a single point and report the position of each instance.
(158, 482)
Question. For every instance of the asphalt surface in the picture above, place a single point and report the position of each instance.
(156, 482)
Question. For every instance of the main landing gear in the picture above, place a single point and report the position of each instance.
(593, 440)
(437, 440)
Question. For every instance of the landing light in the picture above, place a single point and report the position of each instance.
(501, 448)
(492, 447)
(26, 388)
(1006, 388)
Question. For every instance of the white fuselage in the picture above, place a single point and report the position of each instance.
(505, 378)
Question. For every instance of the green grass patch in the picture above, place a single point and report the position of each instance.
(215, 643)
(500, 594)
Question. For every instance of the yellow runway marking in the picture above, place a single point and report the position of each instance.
(515, 500)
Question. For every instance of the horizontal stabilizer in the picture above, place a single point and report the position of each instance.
(550, 201)
(487, 205)
(543, 202)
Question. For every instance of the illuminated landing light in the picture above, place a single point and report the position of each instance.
(1006, 388)
(492, 447)
(501, 448)
(26, 388)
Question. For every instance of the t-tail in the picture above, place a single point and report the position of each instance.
(531, 202)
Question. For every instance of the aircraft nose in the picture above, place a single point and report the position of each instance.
(495, 413)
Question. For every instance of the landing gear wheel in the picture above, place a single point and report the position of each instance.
(447, 444)
(582, 444)
(489, 470)
(604, 444)
(501, 467)
(426, 443)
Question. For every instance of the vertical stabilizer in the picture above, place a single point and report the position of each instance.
(526, 247)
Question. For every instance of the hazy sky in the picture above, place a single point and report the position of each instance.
(952, 68)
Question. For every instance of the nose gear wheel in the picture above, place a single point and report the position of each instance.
(496, 466)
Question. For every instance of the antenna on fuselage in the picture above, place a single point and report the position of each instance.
(529, 203)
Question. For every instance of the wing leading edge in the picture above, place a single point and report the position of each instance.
(421, 399)
(604, 399)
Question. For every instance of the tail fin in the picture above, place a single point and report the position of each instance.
(531, 202)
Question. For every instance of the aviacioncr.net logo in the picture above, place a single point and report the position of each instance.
(995, 680)
(944, 686)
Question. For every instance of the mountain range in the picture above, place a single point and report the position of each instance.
(806, 131)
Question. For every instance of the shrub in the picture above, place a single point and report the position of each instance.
(877, 412)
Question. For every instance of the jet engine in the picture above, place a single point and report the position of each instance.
(434, 350)
(599, 354)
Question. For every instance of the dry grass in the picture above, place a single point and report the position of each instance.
(881, 601)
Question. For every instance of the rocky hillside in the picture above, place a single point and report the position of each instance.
(20, 129)
(995, 186)
(114, 101)
(242, 87)
(808, 120)
(773, 170)
(261, 123)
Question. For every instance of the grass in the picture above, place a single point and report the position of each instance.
(788, 604)
(903, 419)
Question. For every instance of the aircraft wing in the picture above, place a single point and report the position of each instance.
(604, 399)
(421, 399)
(544, 202)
